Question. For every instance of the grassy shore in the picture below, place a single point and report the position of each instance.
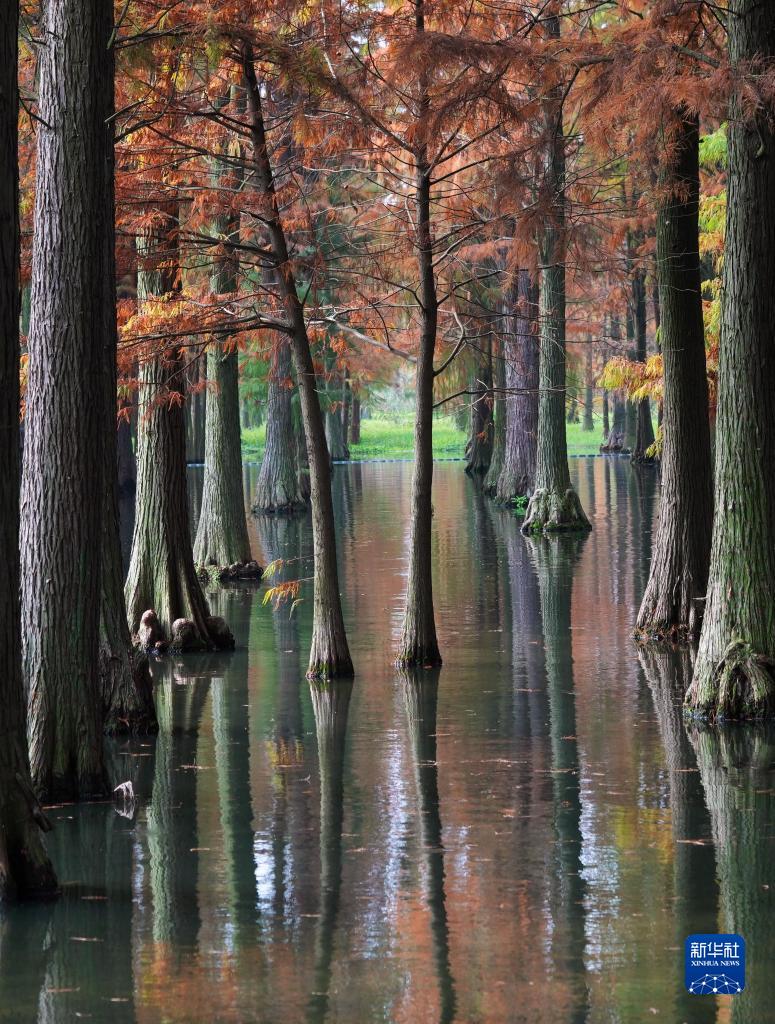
(392, 439)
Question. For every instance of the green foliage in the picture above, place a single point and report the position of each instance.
(713, 149)
(519, 506)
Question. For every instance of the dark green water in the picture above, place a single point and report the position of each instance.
(527, 836)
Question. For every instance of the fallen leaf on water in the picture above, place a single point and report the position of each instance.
(84, 938)
(694, 842)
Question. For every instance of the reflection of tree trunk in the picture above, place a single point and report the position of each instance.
(554, 561)
(330, 704)
(172, 814)
(421, 699)
(736, 765)
(694, 873)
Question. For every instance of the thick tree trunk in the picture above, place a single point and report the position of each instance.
(278, 488)
(126, 464)
(127, 688)
(63, 465)
(25, 869)
(329, 653)
(419, 646)
(499, 418)
(161, 572)
(554, 504)
(734, 670)
(521, 353)
(673, 602)
(335, 436)
(355, 420)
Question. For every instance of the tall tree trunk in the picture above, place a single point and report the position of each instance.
(278, 488)
(614, 438)
(222, 532)
(196, 408)
(419, 646)
(25, 869)
(521, 353)
(355, 420)
(161, 574)
(673, 602)
(336, 435)
(126, 464)
(589, 385)
(127, 688)
(62, 493)
(480, 443)
(606, 416)
(733, 674)
(498, 416)
(329, 653)
(554, 504)
(644, 430)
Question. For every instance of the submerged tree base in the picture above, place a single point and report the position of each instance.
(418, 654)
(740, 686)
(214, 574)
(324, 670)
(549, 511)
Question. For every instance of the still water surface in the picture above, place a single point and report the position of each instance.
(528, 835)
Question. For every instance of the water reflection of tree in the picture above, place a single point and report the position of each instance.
(736, 765)
(421, 701)
(181, 693)
(554, 560)
(330, 703)
(694, 867)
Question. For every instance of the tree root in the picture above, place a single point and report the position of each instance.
(550, 512)
(740, 686)
(215, 574)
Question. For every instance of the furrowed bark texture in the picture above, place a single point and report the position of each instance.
(278, 488)
(25, 869)
(222, 532)
(63, 463)
(734, 669)
(499, 419)
(161, 572)
(355, 420)
(125, 678)
(329, 653)
(673, 602)
(554, 504)
(480, 444)
(522, 351)
(419, 646)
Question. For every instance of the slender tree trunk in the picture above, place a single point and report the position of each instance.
(479, 449)
(196, 409)
(589, 392)
(498, 416)
(62, 488)
(554, 504)
(606, 416)
(673, 602)
(25, 869)
(355, 420)
(125, 456)
(336, 435)
(278, 488)
(222, 532)
(161, 574)
(517, 477)
(329, 653)
(734, 670)
(419, 646)
(644, 430)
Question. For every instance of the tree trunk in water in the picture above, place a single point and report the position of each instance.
(499, 420)
(63, 465)
(302, 460)
(554, 504)
(419, 646)
(606, 416)
(329, 653)
(355, 421)
(644, 429)
(222, 532)
(672, 604)
(127, 688)
(614, 438)
(480, 443)
(521, 353)
(161, 569)
(25, 869)
(278, 488)
(733, 674)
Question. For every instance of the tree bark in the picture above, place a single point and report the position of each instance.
(522, 354)
(62, 487)
(589, 392)
(733, 674)
(673, 602)
(554, 504)
(644, 429)
(419, 646)
(355, 420)
(161, 572)
(499, 418)
(329, 653)
(278, 488)
(127, 688)
(25, 869)
(614, 438)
